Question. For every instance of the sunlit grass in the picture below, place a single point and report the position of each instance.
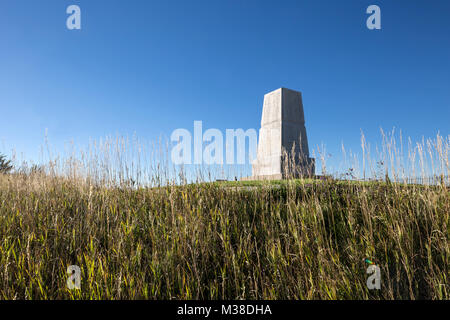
(303, 239)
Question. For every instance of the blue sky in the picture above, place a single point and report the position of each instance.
(150, 67)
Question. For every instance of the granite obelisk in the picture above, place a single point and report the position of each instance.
(283, 144)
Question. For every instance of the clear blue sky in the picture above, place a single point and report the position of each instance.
(154, 66)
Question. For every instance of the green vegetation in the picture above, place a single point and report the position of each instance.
(5, 165)
(260, 183)
(296, 239)
(208, 242)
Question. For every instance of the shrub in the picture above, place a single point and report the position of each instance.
(5, 165)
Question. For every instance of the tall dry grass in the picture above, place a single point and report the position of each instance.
(139, 230)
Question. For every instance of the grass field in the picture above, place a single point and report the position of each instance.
(303, 239)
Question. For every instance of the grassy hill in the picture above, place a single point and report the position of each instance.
(302, 239)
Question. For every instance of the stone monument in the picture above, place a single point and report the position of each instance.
(283, 145)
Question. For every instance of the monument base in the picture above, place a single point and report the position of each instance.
(284, 168)
(302, 172)
(268, 177)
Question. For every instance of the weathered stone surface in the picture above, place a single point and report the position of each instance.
(283, 144)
